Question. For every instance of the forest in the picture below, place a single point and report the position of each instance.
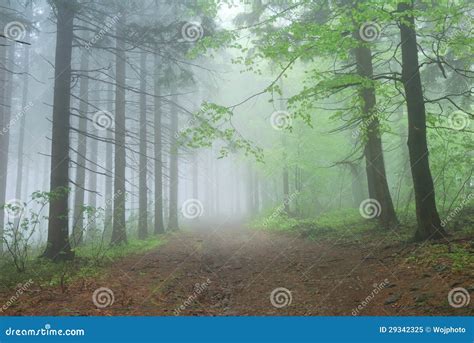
(236, 157)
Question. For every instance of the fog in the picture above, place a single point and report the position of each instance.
(127, 123)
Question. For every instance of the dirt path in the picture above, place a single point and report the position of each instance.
(233, 272)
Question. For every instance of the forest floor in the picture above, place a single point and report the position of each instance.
(234, 271)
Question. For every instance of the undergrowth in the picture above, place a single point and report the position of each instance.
(89, 262)
(348, 225)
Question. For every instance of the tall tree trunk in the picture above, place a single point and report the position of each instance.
(9, 104)
(78, 218)
(429, 223)
(24, 101)
(286, 189)
(92, 195)
(375, 165)
(143, 189)
(109, 150)
(357, 188)
(58, 247)
(119, 233)
(285, 175)
(173, 170)
(159, 223)
(4, 137)
(216, 186)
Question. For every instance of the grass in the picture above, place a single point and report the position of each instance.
(348, 225)
(455, 256)
(90, 261)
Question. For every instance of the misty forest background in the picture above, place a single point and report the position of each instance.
(125, 122)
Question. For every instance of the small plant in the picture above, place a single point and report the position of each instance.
(22, 222)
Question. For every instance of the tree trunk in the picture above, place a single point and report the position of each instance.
(159, 223)
(357, 188)
(429, 223)
(58, 247)
(375, 165)
(119, 233)
(4, 137)
(109, 150)
(143, 189)
(24, 102)
(92, 195)
(78, 218)
(286, 190)
(174, 177)
(216, 185)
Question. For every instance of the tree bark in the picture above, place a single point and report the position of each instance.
(375, 165)
(429, 223)
(286, 189)
(78, 218)
(174, 177)
(119, 233)
(109, 150)
(4, 137)
(24, 101)
(94, 151)
(159, 223)
(357, 187)
(58, 247)
(142, 182)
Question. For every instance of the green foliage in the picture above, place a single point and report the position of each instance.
(331, 224)
(454, 257)
(86, 264)
(23, 219)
